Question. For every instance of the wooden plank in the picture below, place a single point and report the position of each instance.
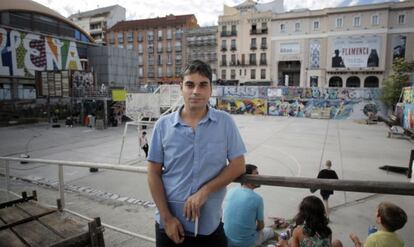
(36, 234)
(8, 238)
(63, 224)
(12, 214)
(33, 209)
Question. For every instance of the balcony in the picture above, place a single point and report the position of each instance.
(233, 48)
(253, 62)
(258, 31)
(253, 47)
(232, 63)
(223, 63)
(159, 50)
(169, 49)
(223, 48)
(263, 62)
(263, 46)
(177, 48)
(228, 33)
(178, 61)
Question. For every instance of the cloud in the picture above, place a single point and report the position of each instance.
(206, 11)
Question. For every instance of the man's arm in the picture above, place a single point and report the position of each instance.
(194, 203)
(173, 227)
(259, 225)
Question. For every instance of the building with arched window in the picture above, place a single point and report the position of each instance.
(35, 38)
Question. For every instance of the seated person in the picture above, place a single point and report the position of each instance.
(311, 226)
(390, 218)
(243, 215)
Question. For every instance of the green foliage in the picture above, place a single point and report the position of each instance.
(399, 78)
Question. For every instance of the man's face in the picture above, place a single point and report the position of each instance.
(255, 172)
(196, 91)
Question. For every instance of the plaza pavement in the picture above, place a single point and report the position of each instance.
(280, 146)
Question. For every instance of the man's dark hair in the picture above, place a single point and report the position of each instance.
(392, 217)
(250, 168)
(198, 66)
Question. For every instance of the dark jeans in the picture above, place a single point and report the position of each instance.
(216, 239)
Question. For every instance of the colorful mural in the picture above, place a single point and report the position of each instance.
(24, 53)
(243, 106)
(291, 93)
(408, 95)
(408, 118)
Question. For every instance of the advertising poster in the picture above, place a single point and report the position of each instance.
(398, 46)
(356, 52)
(314, 56)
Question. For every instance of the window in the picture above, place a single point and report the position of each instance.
(141, 72)
(375, 20)
(223, 74)
(111, 38)
(169, 58)
(150, 36)
(169, 34)
(263, 74)
(297, 27)
(130, 46)
(224, 45)
(169, 46)
(339, 22)
(233, 59)
(177, 45)
(139, 37)
(140, 60)
(159, 60)
(159, 34)
(282, 28)
(160, 74)
(263, 45)
(223, 60)
(233, 30)
(233, 45)
(252, 59)
(315, 25)
(120, 37)
(130, 37)
(140, 48)
(264, 25)
(178, 33)
(233, 74)
(252, 74)
(159, 47)
(253, 44)
(169, 71)
(357, 21)
(5, 92)
(263, 59)
(401, 19)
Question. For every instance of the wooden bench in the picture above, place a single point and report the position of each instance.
(26, 223)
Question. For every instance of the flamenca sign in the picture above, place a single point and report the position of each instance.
(356, 52)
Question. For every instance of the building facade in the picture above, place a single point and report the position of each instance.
(97, 21)
(202, 44)
(160, 44)
(244, 43)
(341, 47)
(34, 38)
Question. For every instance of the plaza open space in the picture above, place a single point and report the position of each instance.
(279, 146)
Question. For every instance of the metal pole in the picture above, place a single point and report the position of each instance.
(61, 186)
(7, 179)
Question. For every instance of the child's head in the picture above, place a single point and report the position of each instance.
(391, 216)
(312, 215)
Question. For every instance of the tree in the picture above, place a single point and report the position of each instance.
(399, 78)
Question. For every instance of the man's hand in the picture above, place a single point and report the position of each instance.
(174, 229)
(194, 203)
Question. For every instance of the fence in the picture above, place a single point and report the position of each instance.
(396, 188)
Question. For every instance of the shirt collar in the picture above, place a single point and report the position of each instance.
(211, 115)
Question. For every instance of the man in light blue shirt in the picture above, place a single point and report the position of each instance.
(188, 170)
(243, 215)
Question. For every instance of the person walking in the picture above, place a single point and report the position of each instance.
(327, 173)
(143, 143)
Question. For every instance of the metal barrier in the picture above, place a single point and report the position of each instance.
(396, 188)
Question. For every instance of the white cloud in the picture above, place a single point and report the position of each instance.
(206, 11)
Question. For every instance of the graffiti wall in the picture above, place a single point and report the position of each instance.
(333, 103)
(24, 53)
(243, 106)
(408, 108)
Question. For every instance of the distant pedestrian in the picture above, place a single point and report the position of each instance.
(327, 173)
(143, 143)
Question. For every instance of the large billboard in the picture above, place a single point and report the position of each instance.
(356, 51)
(24, 53)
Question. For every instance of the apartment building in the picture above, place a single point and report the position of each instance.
(244, 43)
(160, 43)
(97, 21)
(341, 47)
(202, 44)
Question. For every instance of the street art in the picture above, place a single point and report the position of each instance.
(24, 53)
(408, 95)
(243, 106)
(408, 118)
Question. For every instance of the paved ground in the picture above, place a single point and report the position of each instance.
(278, 145)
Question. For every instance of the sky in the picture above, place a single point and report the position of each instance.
(206, 11)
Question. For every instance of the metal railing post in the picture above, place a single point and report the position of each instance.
(61, 186)
(7, 179)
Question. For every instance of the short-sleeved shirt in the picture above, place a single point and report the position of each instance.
(242, 208)
(384, 239)
(327, 174)
(191, 158)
